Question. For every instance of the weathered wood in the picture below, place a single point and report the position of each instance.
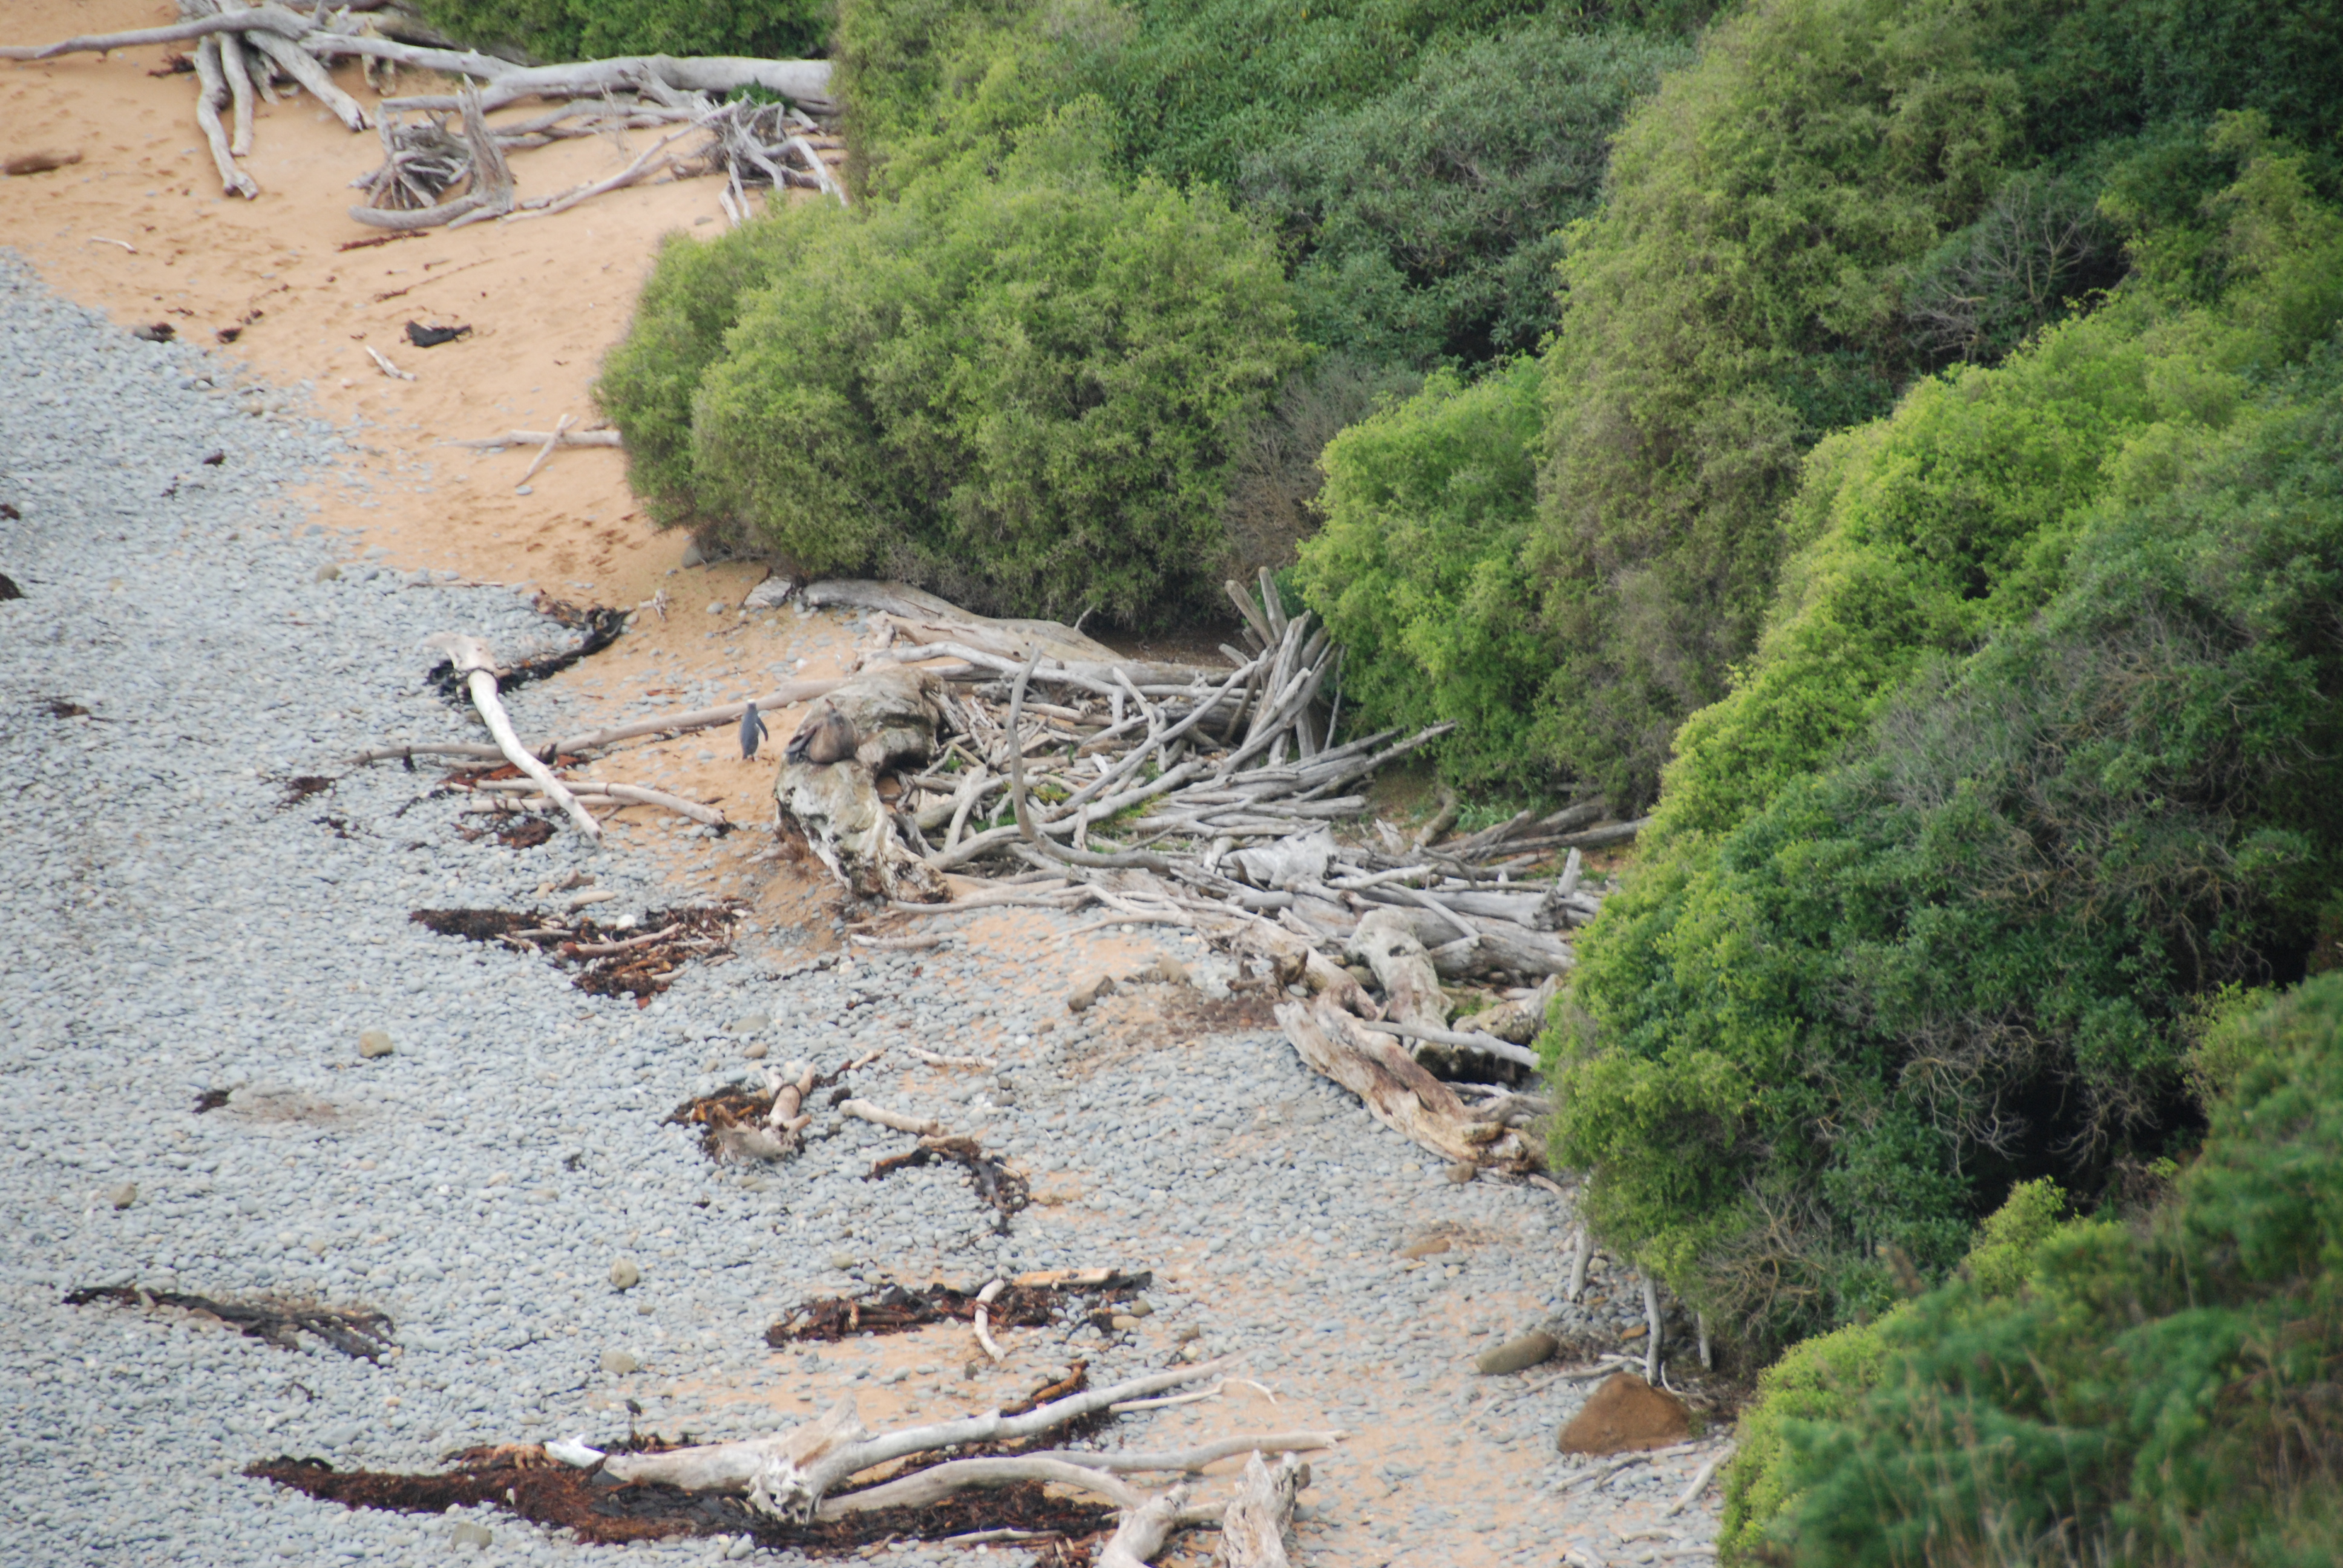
(304, 69)
(473, 660)
(803, 82)
(1254, 1524)
(1397, 1090)
(269, 18)
(1143, 1531)
(211, 88)
(1411, 994)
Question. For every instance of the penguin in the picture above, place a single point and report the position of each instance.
(827, 736)
(752, 730)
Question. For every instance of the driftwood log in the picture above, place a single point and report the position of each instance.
(472, 659)
(1398, 1090)
(890, 717)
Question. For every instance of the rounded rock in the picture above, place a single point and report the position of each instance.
(625, 1275)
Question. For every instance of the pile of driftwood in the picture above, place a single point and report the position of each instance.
(972, 762)
(798, 1487)
(434, 143)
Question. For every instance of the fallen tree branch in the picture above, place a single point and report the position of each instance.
(878, 1115)
(472, 659)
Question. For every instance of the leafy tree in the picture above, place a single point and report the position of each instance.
(1417, 570)
(1024, 392)
(598, 29)
(1963, 953)
(2158, 1392)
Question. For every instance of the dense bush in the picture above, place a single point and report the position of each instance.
(1024, 392)
(1964, 955)
(1789, 223)
(1275, 480)
(2158, 1392)
(1417, 571)
(1426, 221)
(1935, 529)
(597, 29)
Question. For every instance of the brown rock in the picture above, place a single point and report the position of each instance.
(1430, 1247)
(1517, 1354)
(1625, 1415)
(1086, 995)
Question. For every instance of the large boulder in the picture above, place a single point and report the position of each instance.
(1626, 1415)
(891, 716)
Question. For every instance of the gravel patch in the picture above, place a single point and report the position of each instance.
(450, 1133)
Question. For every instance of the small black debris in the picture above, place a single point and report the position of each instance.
(161, 332)
(299, 790)
(58, 708)
(11, 513)
(175, 64)
(8, 588)
(211, 1100)
(228, 334)
(215, 459)
(424, 336)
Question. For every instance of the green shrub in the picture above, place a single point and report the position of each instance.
(648, 380)
(1427, 220)
(1789, 224)
(1022, 392)
(1969, 953)
(1417, 571)
(2150, 1393)
(1824, 1378)
(598, 29)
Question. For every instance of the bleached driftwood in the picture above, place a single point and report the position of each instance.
(545, 451)
(891, 717)
(804, 81)
(941, 1480)
(595, 740)
(1142, 1532)
(239, 92)
(1699, 1481)
(211, 89)
(1254, 1524)
(1193, 1461)
(879, 1116)
(1465, 1039)
(984, 1300)
(304, 69)
(735, 1466)
(266, 19)
(472, 659)
(1396, 1089)
(1411, 994)
(562, 437)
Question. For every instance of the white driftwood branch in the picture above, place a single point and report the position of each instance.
(1488, 1044)
(239, 92)
(637, 795)
(984, 1300)
(383, 365)
(472, 659)
(211, 87)
(304, 69)
(1140, 1535)
(732, 1466)
(1191, 1460)
(800, 81)
(864, 1111)
(545, 452)
(941, 1480)
(539, 438)
(271, 18)
(1699, 1482)
(1254, 1522)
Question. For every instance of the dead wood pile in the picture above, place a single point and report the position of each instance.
(830, 1482)
(435, 145)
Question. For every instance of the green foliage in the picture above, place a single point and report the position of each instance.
(1427, 220)
(1970, 952)
(1417, 571)
(1821, 1378)
(2153, 1393)
(1834, 196)
(1024, 392)
(1951, 520)
(598, 29)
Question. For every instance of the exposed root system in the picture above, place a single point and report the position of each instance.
(637, 961)
(354, 1332)
(605, 1511)
(1029, 1301)
(1002, 1189)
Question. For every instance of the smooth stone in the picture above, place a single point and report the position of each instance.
(693, 556)
(122, 1194)
(374, 1042)
(749, 1023)
(1517, 1354)
(1625, 1415)
(756, 1052)
(328, 572)
(467, 1533)
(620, 1363)
(624, 1275)
(843, 1259)
(1430, 1247)
(1461, 1172)
(1085, 994)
